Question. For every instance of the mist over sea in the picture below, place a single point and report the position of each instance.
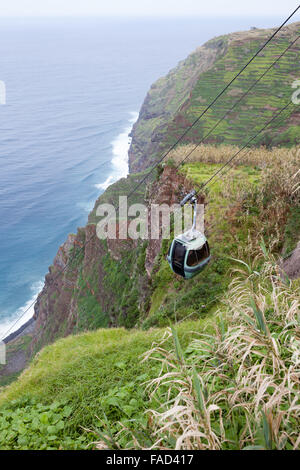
(74, 88)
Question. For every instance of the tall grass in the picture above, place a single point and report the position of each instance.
(264, 209)
(257, 156)
(239, 387)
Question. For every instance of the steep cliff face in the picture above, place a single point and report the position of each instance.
(94, 283)
(165, 99)
(175, 101)
(128, 283)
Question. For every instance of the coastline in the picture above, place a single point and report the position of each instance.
(25, 329)
(120, 168)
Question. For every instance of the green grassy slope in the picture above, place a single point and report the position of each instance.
(96, 374)
(249, 203)
(173, 299)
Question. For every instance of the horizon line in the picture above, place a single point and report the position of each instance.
(96, 16)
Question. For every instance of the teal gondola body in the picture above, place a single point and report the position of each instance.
(189, 252)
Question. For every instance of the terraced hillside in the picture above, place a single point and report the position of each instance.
(176, 100)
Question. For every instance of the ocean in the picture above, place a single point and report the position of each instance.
(73, 90)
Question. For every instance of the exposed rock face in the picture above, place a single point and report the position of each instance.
(55, 309)
(77, 272)
(81, 273)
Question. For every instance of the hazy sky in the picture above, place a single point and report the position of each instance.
(130, 8)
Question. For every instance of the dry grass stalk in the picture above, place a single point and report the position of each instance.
(239, 387)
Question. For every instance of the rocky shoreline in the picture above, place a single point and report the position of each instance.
(25, 329)
(17, 355)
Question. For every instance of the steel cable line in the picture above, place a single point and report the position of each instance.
(165, 155)
(231, 166)
(221, 176)
(246, 145)
(217, 97)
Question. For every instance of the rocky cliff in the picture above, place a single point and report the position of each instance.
(102, 283)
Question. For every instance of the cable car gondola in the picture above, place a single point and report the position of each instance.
(189, 252)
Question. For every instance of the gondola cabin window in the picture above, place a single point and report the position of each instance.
(196, 256)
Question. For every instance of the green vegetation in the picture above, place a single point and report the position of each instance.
(120, 188)
(238, 387)
(292, 230)
(127, 278)
(27, 425)
(251, 201)
(89, 312)
(96, 374)
(202, 387)
(269, 95)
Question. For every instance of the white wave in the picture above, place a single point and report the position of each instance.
(120, 147)
(110, 180)
(86, 206)
(13, 324)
